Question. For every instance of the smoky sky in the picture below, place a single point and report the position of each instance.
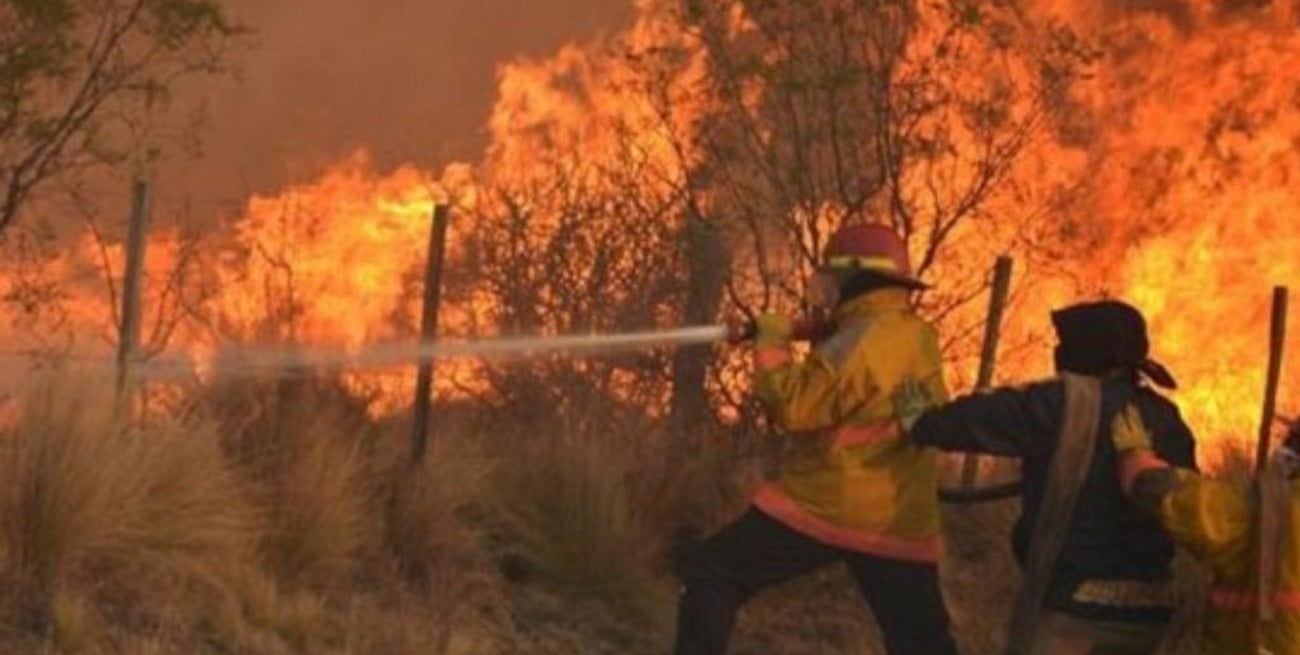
(408, 80)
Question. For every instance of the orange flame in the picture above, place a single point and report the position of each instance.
(1183, 153)
(1195, 194)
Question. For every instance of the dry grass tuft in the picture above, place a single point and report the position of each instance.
(568, 516)
(299, 447)
(106, 525)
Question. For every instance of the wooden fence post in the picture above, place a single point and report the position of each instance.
(1273, 494)
(989, 352)
(128, 341)
(1276, 343)
(428, 331)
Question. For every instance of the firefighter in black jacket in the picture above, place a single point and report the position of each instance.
(1109, 589)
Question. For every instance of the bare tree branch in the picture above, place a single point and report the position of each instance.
(69, 70)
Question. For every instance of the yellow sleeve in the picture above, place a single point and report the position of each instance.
(1207, 517)
(804, 396)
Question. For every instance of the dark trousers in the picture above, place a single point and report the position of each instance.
(757, 551)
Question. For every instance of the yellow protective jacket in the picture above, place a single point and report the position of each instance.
(1216, 522)
(851, 478)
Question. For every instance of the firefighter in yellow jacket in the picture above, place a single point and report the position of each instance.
(853, 488)
(1221, 523)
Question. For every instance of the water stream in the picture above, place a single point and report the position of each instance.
(254, 359)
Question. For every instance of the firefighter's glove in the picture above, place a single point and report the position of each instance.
(1128, 432)
(773, 330)
(911, 400)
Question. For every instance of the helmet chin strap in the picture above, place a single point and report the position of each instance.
(824, 293)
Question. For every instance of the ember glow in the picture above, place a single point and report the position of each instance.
(1181, 152)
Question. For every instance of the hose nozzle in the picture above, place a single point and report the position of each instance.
(811, 328)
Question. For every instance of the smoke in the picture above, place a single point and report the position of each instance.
(411, 82)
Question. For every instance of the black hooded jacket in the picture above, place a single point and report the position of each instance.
(1109, 538)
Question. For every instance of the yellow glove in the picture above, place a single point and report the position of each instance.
(1128, 432)
(911, 400)
(773, 330)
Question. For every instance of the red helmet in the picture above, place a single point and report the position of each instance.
(870, 247)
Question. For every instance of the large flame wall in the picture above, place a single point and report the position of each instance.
(1183, 153)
